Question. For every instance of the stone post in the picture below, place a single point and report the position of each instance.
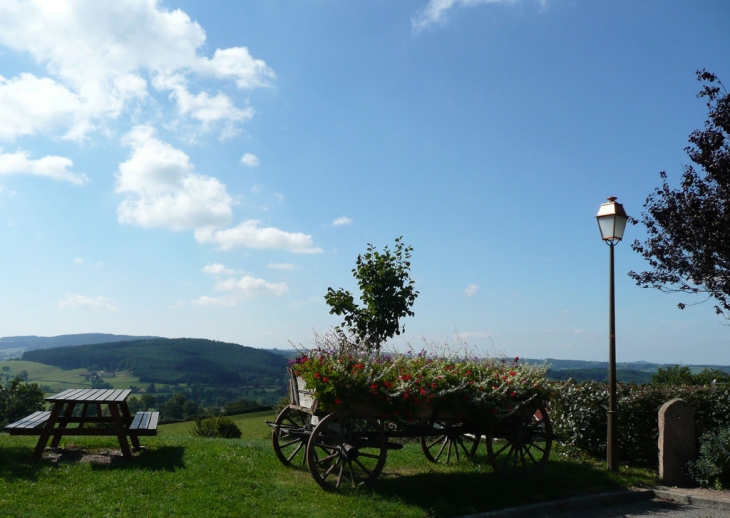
(676, 442)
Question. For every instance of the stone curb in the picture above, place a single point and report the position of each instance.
(600, 499)
(689, 497)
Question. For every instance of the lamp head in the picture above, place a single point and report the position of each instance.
(612, 220)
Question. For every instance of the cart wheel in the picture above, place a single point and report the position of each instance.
(452, 440)
(346, 450)
(525, 446)
(290, 436)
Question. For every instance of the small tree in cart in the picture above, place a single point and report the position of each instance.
(387, 294)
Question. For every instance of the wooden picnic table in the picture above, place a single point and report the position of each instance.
(119, 422)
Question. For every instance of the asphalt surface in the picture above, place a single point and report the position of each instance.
(660, 502)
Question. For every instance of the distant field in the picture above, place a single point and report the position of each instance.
(58, 379)
(6, 354)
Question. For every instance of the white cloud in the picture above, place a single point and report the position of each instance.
(471, 290)
(78, 260)
(250, 287)
(203, 107)
(83, 302)
(100, 58)
(29, 105)
(281, 266)
(250, 160)
(218, 269)
(343, 220)
(250, 234)
(54, 167)
(436, 12)
(165, 190)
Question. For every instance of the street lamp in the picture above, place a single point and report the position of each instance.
(612, 220)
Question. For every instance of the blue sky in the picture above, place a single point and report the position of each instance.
(209, 169)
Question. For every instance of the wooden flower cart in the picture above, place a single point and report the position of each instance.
(347, 444)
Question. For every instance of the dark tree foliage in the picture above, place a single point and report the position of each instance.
(682, 376)
(688, 243)
(18, 399)
(386, 291)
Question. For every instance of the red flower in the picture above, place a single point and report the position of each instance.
(512, 373)
(316, 374)
(517, 358)
(374, 386)
(513, 394)
(325, 379)
(338, 401)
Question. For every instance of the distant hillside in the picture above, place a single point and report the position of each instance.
(179, 360)
(626, 372)
(31, 343)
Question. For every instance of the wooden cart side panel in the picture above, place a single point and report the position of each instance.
(305, 397)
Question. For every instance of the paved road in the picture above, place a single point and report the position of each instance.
(644, 509)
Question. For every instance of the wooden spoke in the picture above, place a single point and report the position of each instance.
(523, 442)
(290, 435)
(352, 447)
(451, 439)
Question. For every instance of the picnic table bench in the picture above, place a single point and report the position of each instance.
(119, 422)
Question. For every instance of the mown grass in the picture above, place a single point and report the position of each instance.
(179, 475)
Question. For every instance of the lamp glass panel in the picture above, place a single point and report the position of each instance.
(620, 227)
(605, 223)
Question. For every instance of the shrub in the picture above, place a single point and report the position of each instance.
(712, 468)
(215, 427)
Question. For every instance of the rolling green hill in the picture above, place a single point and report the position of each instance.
(15, 346)
(179, 360)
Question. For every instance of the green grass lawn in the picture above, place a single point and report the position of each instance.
(179, 475)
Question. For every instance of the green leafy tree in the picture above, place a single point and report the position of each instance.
(148, 401)
(18, 399)
(674, 375)
(191, 408)
(134, 404)
(688, 229)
(173, 408)
(386, 292)
(710, 376)
(678, 376)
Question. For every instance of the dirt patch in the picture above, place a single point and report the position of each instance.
(74, 454)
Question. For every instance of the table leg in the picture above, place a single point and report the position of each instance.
(127, 421)
(121, 430)
(84, 411)
(63, 423)
(43, 438)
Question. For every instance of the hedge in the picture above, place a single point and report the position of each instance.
(579, 414)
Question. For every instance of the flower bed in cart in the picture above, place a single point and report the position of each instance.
(415, 386)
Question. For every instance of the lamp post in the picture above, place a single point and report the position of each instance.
(612, 220)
